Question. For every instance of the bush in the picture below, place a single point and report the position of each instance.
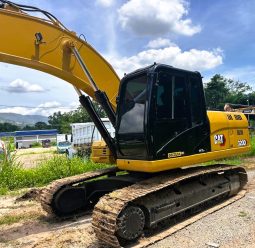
(53, 143)
(8, 167)
(252, 152)
(36, 144)
(13, 176)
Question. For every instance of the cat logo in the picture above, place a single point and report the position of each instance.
(219, 139)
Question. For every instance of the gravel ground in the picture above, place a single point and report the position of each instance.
(230, 227)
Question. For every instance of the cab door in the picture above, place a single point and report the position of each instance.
(199, 132)
(171, 114)
(130, 132)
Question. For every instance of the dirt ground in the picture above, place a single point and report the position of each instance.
(27, 226)
(31, 157)
(24, 224)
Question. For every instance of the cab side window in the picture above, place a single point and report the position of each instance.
(164, 96)
(180, 98)
(196, 100)
(171, 100)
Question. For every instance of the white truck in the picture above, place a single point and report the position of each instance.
(84, 134)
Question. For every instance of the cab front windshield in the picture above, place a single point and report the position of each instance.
(133, 105)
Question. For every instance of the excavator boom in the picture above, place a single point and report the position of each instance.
(45, 45)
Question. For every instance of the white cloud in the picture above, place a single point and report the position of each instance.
(105, 3)
(21, 86)
(150, 17)
(160, 43)
(244, 74)
(53, 104)
(193, 59)
(45, 109)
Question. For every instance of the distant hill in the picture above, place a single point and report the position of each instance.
(22, 120)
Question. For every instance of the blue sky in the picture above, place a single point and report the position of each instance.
(208, 36)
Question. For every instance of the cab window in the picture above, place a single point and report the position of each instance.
(170, 97)
(133, 106)
(196, 101)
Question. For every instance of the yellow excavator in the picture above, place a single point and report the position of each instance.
(163, 132)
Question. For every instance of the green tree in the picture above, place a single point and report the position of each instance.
(220, 90)
(251, 98)
(216, 92)
(62, 121)
(8, 127)
(238, 92)
(41, 125)
(28, 127)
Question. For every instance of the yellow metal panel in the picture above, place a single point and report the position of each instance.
(101, 153)
(219, 128)
(172, 163)
(239, 137)
(218, 120)
(231, 127)
(18, 47)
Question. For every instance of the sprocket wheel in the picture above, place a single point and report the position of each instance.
(130, 223)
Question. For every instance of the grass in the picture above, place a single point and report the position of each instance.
(11, 219)
(242, 214)
(3, 190)
(39, 152)
(232, 161)
(13, 176)
(252, 152)
(36, 144)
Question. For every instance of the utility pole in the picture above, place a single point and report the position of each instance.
(248, 113)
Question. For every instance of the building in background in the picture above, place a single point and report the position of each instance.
(24, 139)
(7, 134)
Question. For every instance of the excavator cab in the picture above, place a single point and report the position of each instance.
(161, 109)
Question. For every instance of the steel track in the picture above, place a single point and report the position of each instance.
(144, 242)
(107, 210)
(47, 196)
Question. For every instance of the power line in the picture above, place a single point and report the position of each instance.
(32, 107)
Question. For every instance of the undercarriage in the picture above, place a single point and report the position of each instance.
(129, 204)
